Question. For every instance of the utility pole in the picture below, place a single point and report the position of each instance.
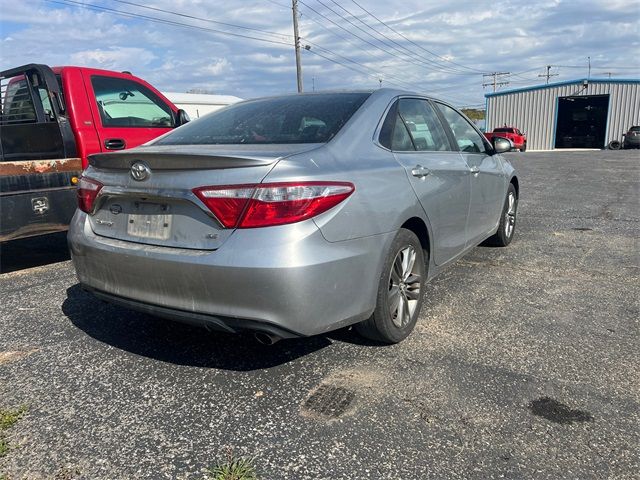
(589, 60)
(495, 83)
(548, 74)
(296, 39)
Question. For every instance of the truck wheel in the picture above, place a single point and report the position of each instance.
(614, 145)
(400, 290)
(507, 226)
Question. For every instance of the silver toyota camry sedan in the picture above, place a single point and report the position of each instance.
(294, 215)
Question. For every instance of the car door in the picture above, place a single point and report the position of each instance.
(437, 174)
(127, 112)
(488, 183)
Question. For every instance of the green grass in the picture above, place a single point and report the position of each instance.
(234, 468)
(4, 448)
(8, 418)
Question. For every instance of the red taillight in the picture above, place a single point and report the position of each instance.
(87, 191)
(269, 204)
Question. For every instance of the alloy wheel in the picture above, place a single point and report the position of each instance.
(510, 215)
(404, 286)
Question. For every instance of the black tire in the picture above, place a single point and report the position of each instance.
(615, 145)
(392, 327)
(524, 147)
(503, 236)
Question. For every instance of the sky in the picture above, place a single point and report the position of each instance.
(245, 48)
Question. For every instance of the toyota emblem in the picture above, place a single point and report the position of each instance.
(140, 171)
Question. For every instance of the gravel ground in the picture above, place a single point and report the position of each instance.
(523, 364)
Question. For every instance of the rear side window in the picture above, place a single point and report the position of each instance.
(412, 124)
(125, 103)
(394, 134)
(17, 103)
(423, 125)
(467, 138)
(314, 118)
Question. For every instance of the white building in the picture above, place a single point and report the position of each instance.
(199, 104)
(584, 113)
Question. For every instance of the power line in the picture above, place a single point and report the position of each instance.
(377, 73)
(185, 25)
(350, 67)
(411, 60)
(193, 17)
(72, 3)
(412, 42)
(402, 49)
(495, 82)
(548, 74)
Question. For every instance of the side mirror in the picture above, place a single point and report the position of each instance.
(182, 117)
(502, 145)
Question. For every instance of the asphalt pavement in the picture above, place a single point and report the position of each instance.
(524, 363)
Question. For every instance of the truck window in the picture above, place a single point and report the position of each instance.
(17, 104)
(126, 103)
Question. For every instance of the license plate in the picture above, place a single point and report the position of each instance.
(149, 221)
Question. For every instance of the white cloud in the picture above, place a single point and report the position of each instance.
(115, 58)
(218, 67)
(481, 36)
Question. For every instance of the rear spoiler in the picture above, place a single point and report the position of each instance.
(177, 161)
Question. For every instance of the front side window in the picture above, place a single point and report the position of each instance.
(126, 103)
(314, 118)
(467, 138)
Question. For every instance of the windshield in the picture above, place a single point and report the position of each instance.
(314, 118)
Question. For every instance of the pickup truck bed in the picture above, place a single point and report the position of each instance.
(37, 196)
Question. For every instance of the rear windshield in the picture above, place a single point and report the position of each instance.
(312, 118)
(635, 129)
(503, 130)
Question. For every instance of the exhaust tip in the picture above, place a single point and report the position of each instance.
(266, 338)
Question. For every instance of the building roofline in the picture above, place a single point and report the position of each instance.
(559, 84)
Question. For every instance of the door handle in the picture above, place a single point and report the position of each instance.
(114, 144)
(475, 170)
(420, 171)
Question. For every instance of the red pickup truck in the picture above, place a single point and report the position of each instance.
(518, 138)
(51, 119)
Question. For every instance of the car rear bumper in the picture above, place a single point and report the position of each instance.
(287, 281)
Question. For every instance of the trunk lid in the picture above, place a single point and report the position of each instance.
(161, 209)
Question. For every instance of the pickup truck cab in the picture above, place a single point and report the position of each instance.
(51, 120)
(518, 138)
